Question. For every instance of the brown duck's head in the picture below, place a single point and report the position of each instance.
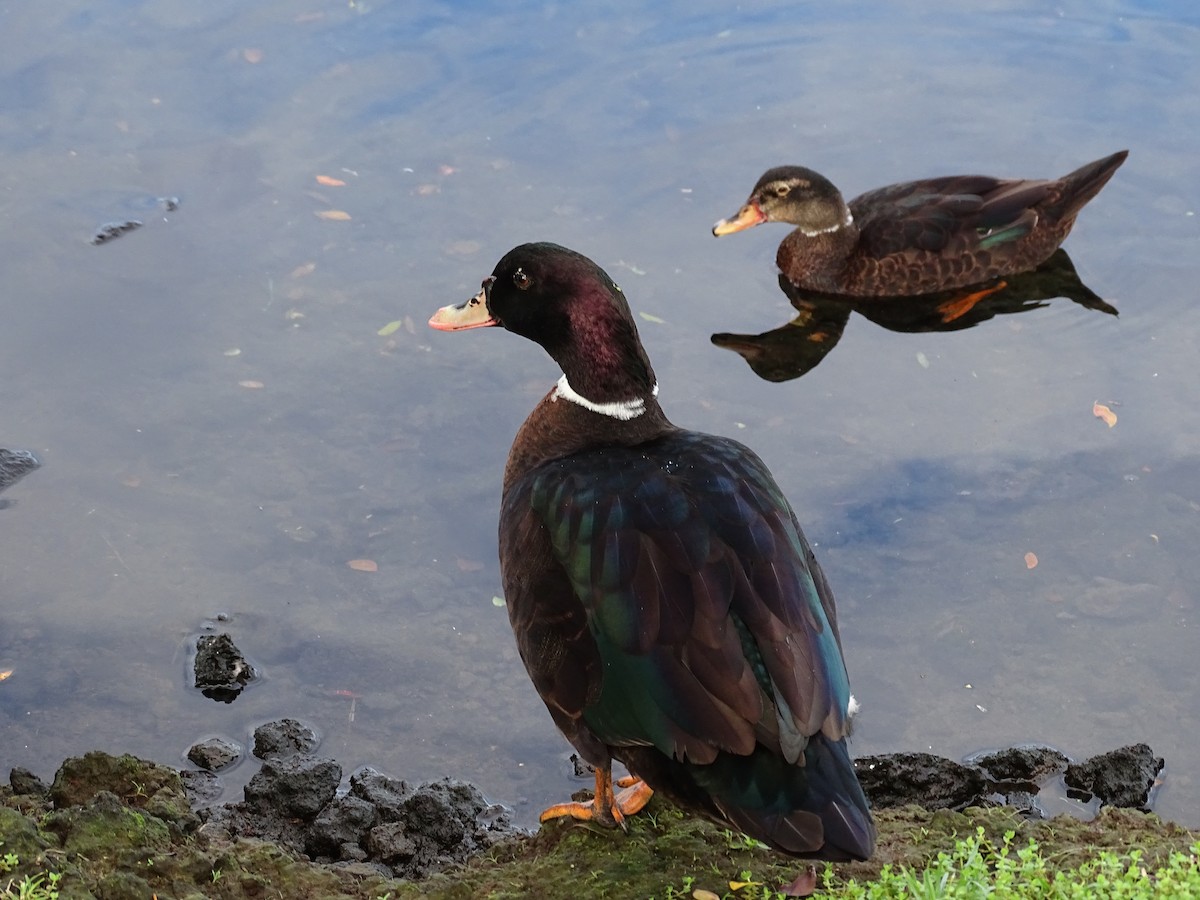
(568, 304)
(795, 195)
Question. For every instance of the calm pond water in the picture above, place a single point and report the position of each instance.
(923, 466)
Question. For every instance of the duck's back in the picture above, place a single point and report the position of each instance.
(671, 613)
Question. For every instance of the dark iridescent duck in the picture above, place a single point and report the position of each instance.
(665, 602)
(920, 236)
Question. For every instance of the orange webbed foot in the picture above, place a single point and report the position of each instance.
(961, 305)
(607, 808)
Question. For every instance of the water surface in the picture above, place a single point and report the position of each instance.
(923, 466)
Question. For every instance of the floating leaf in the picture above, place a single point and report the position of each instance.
(1100, 411)
(252, 55)
(251, 384)
(131, 481)
(363, 565)
(5, 673)
(446, 170)
(390, 328)
(233, 351)
(333, 215)
(649, 317)
(702, 894)
(922, 360)
(307, 269)
(498, 601)
(330, 182)
(1031, 560)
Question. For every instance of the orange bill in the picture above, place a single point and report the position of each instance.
(747, 217)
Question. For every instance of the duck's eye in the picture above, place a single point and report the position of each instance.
(781, 190)
(521, 280)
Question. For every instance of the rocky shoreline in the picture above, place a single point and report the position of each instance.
(116, 827)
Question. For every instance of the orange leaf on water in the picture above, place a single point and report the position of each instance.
(330, 182)
(333, 215)
(252, 55)
(1100, 411)
(302, 270)
(363, 565)
(4, 673)
(1031, 560)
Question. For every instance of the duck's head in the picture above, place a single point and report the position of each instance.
(569, 305)
(795, 195)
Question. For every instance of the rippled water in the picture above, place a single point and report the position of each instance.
(924, 466)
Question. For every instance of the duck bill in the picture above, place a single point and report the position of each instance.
(747, 217)
(472, 314)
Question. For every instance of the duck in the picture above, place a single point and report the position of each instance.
(917, 237)
(665, 603)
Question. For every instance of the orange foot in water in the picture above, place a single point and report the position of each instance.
(608, 808)
(960, 306)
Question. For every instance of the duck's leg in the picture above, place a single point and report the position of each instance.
(964, 303)
(608, 808)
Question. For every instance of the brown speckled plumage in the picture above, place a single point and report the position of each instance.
(920, 236)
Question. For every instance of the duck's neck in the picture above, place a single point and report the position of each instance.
(815, 259)
(566, 421)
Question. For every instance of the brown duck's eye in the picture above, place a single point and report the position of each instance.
(521, 280)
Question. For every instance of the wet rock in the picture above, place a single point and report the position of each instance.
(381, 791)
(284, 737)
(1029, 779)
(221, 670)
(1121, 777)
(436, 825)
(202, 788)
(214, 753)
(297, 787)
(932, 782)
(1022, 765)
(106, 825)
(338, 830)
(22, 781)
(110, 231)
(15, 465)
(146, 786)
(20, 835)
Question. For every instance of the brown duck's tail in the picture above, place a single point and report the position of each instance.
(1077, 188)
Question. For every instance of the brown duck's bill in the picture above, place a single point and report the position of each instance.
(747, 217)
(472, 314)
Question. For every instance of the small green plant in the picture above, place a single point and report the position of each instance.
(216, 875)
(8, 862)
(31, 887)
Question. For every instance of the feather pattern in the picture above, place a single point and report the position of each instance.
(917, 237)
(664, 600)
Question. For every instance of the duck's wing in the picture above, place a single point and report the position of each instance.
(667, 596)
(952, 215)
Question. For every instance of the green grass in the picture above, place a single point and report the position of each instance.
(978, 868)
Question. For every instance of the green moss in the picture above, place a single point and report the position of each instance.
(115, 846)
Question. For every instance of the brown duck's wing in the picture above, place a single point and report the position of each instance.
(949, 216)
(549, 621)
(712, 623)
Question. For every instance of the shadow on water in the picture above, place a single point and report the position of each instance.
(798, 347)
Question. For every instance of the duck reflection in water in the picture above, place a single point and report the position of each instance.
(799, 346)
